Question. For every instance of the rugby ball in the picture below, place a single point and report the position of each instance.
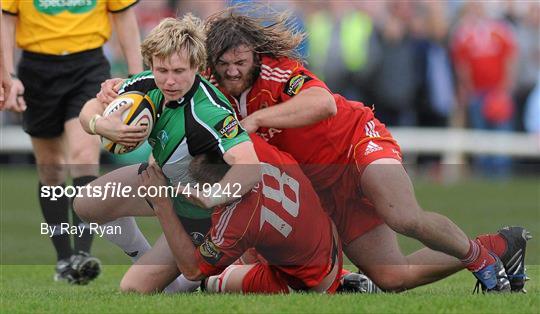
(142, 112)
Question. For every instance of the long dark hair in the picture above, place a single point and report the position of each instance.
(270, 32)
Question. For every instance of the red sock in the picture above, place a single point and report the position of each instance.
(477, 258)
(493, 242)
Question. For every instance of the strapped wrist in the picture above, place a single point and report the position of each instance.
(92, 123)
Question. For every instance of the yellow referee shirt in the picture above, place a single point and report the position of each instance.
(61, 27)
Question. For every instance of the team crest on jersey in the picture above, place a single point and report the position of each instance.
(228, 127)
(210, 252)
(294, 85)
(163, 138)
(197, 238)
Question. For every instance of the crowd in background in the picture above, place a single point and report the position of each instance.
(418, 63)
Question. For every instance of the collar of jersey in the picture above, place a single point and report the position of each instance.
(187, 97)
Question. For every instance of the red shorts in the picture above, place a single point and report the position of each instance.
(264, 278)
(353, 214)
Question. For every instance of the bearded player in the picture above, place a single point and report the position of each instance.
(352, 160)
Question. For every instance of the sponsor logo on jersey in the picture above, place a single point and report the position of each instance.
(163, 138)
(295, 84)
(53, 7)
(228, 127)
(371, 148)
(210, 252)
(269, 134)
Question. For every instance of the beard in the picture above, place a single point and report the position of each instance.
(236, 88)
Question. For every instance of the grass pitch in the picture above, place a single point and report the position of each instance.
(27, 261)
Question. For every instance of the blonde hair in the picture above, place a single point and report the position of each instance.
(173, 35)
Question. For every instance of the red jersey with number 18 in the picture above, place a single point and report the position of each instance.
(281, 218)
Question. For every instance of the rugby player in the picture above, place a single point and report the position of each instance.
(281, 218)
(351, 158)
(193, 118)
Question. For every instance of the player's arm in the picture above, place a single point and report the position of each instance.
(245, 171)
(127, 29)
(179, 241)
(13, 100)
(111, 126)
(307, 107)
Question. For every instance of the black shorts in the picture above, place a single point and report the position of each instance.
(57, 87)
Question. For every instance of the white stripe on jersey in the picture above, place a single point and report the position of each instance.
(123, 87)
(276, 74)
(223, 223)
(212, 99)
(370, 129)
(276, 69)
(212, 131)
(271, 78)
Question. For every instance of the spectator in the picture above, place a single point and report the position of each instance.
(484, 54)
(396, 78)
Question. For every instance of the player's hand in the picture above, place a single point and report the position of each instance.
(109, 90)
(113, 128)
(15, 100)
(250, 124)
(152, 176)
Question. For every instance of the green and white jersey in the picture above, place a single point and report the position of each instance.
(203, 121)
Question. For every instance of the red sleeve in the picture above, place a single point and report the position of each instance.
(227, 239)
(299, 80)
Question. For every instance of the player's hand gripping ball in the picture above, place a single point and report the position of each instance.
(142, 112)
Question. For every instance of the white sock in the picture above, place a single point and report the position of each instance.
(181, 284)
(129, 238)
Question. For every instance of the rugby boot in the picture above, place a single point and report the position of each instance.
(513, 258)
(63, 271)
(357, 283)
(86, 268)
(492, 278)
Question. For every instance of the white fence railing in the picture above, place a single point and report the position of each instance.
(452, 144)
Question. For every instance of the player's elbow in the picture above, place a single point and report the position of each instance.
(193, 274)
(328, 106)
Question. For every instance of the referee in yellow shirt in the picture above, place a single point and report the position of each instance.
(62, 66)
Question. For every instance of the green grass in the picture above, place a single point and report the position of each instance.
(30, 289)
(477, 206)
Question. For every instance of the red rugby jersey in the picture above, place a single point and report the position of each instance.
(316, 147)
(281, 218)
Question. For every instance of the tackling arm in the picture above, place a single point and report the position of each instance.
(308, 107)
(179, 241)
